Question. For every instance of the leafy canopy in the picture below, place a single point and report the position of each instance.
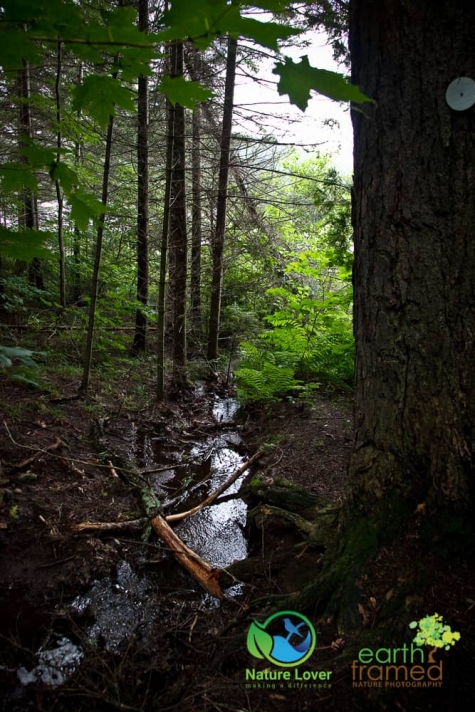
(110, 37)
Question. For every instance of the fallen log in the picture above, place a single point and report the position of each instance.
(205, 574)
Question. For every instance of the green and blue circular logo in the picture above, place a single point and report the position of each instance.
(286, 639)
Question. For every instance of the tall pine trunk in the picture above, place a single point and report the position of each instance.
(218, 241)
(76, 275)
(178, 231)
(196, 237)
(140, 337)
(59, 193)
(414, 216)
(161, 307)
(97, 260)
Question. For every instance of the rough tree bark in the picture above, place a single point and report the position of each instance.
(411, 471)
(414, 212)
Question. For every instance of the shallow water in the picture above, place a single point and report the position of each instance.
(133, 600)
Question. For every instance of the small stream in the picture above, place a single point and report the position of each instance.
(146, 590)
(215, 533)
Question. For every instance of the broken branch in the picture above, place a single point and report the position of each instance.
(216, 493)
(58, 443)
(128, 525)
(207, 576)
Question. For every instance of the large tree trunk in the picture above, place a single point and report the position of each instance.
(414, 213)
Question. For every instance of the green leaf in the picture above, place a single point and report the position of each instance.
(270, 5)
(259, 642)
(26, 381)
(203, 20)
(266, 34)
(134, 61)
(17, 176)
(22, 10)
(199, 20)
(7, 353)
(99, 95)
(24, 245)
(84, 207)
(414, 624)
(38, 156)
(16, 46)
(65, 175)
(180, 91)
(298, 80)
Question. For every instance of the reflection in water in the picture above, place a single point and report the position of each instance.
(134, 602)
(119, 607)
(227, 543)
(225, 409)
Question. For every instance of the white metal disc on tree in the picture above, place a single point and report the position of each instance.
(460, 94)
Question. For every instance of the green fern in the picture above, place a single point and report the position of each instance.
(270, 383)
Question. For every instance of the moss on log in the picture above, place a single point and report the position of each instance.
(284, 494)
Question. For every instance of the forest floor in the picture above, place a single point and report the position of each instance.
(54, 474)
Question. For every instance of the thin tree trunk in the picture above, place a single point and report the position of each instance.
(218, 242)
(76, 277)
(28, 216)
(163, 257)
(97, 260)
(196, 238)
(178, 232)
(59, 194)
(140, 337)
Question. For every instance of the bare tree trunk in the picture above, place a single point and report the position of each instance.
(97, 260)
(163, 257)
(28, 217)
(178, 231)
(218, 242)
(195, 281)
(59, 194)
(140, 337)
(76, 277)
